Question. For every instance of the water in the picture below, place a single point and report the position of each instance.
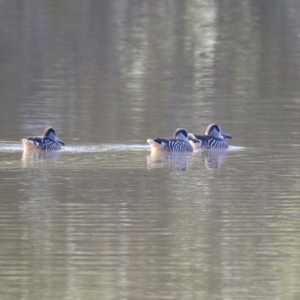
(106, 219)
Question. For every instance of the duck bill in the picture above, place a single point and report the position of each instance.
(59, 140)
(226, 135)
(193, 139)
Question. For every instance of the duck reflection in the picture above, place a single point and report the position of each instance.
(213, 158)
(179, 161)
(32, 157)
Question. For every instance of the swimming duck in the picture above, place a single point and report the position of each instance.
(179, 142)
(214, 138)
(48, 141)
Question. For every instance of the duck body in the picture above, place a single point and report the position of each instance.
(214, 138)
(48, 141)
(179, 142)
(210, 142)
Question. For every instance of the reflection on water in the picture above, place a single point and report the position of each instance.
(214, 158)
(173, 160)
(35, 154)
(35, 157)
(105, 223)
(209, 158)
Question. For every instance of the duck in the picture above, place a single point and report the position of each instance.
(214, 138)
(179, 142)
(48, 141)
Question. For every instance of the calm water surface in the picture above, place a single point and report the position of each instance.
(105, 219)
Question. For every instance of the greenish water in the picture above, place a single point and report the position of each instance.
(105, 219)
